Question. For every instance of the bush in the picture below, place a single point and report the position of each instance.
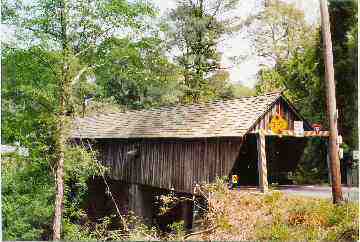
(177, 230)
(27, 199)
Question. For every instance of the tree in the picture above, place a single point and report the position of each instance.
(302, 78)
(137, 74)
(221, 87)
(28, 95)
(72, 30)
(195, 30)
(343, 19)
(279, 31)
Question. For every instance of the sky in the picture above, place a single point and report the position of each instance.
(245, 72)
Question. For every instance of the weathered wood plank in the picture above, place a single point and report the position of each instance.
(168, 163)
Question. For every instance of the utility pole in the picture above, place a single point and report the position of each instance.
(331, 103)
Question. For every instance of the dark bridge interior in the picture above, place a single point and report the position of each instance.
(246, 164)
(282, 155)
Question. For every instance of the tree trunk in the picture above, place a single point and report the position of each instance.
(59, 182)
(64, 87)
(60, 144)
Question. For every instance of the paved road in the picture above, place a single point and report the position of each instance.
(349, 193)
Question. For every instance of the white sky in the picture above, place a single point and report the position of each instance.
(245, 72)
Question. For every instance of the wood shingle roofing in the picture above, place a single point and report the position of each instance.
(229, 118)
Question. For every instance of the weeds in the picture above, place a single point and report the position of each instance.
(309, 219)
(103, 230)
(275, 216)
(233, 215)
(177, 231)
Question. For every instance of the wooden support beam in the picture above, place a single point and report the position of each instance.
(140, 202)
(262, 167)
(187, 214)
(291, 133)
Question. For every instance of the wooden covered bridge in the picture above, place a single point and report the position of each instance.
(181, 146)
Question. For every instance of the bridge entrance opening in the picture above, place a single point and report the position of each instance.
(246, 164)
(281, 154)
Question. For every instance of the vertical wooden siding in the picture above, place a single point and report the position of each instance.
(284, 110)
(169, 163)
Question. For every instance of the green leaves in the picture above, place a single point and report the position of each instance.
(54, 58)
(137, 74)
(194, 31)
(27, 198)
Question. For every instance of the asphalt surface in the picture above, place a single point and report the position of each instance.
(317, 191)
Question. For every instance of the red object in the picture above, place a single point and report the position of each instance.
(317, 128)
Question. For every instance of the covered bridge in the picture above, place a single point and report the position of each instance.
(180, 146)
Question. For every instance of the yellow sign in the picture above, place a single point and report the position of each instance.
(235, 179)
(278, 124)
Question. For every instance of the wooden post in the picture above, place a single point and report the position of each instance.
(262, 169)
(140, 202)
(331, 103)
(187, 214)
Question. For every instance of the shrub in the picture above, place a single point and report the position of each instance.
(177, 230)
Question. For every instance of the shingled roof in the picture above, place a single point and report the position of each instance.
(229, 118)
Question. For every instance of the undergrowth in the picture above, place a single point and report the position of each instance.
(274, 216)
(244, 215)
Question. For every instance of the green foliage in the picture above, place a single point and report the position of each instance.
(27, 198)
(304, 176)
(343, 16)
(28, 194)
(79, 166)
(309, 219)
(251, 215)
(143, 232)
(302, 78)
(137, 74)
(85, 23)
(91, 231)
(302, 75)
(219, 186)
(279, 31)
(54, 58)
(223, 222)
(242, 91)
(274, 232)
(219, 86)
(177, 230)
(312, 167)
(29, 92)
(273, 198)
(194, 30)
